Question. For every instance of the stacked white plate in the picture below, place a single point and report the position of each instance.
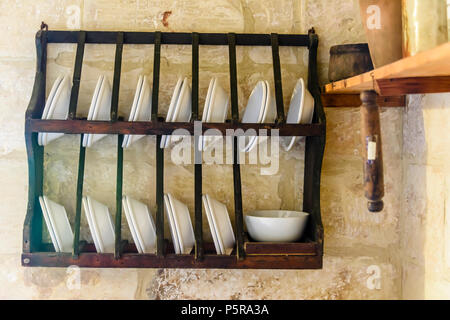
(100, 109)
(180, 108)
(261, 108)
(301, 110)
(57, 224)
(141, 225)
(56, 107)
(141, 110)
(100, 225)
(180, 224)
(219, 224)
(215, 110)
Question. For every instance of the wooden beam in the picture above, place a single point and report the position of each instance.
(388, 87)
(354, 101)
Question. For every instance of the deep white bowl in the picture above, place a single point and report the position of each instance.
(276, 225)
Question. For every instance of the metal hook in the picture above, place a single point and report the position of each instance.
(44, 26)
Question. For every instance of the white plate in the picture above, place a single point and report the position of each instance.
(49, 224)
(183, 224)
(269, 115)
(222, 224)
(56, 107)
(133, 107)
(254, 112)
(208, 100)
(211, 225)
(142, 110)
(100, 224)
(144, 225)
(301, 110)
(61, 225)
(170, 112)
(51, 96)
(100, 109)
(173, 229)
(92, 106)
(217, 111)
(131, 225)
(183, 109)
(92, 227)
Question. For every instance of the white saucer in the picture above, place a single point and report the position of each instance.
(100, 225)
(141, 225)
(141, 109)
(58, 224)
(56, 107)
(100, 109)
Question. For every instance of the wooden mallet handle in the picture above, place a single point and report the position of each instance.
(373, 156)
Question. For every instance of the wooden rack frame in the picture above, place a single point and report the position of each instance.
(305, 254)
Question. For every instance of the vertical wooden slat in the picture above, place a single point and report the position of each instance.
(197, 154)
(119, 177)
(314, 149)
(32, 230)
(79, 196)
(233, 77)
(277, 77)
(195, 67)
(116, 80)
(77, 75)
(159, 152)
(159, 198)
(156, 67)
(236, 168)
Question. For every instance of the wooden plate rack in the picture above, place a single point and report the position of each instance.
(305, 254)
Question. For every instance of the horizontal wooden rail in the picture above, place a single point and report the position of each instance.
(159, 128)
(131, 260)
(180, 38)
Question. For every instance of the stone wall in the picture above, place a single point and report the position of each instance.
(356, 242)
(425, 219)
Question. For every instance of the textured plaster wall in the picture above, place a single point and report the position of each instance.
(425, 218)
(354, 239)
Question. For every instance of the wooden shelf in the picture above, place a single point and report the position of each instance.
(426, 72)
(352, 100)
(309, 258)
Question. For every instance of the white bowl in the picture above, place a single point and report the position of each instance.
(276, 225)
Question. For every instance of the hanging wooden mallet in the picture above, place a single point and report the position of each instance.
(373, 156)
